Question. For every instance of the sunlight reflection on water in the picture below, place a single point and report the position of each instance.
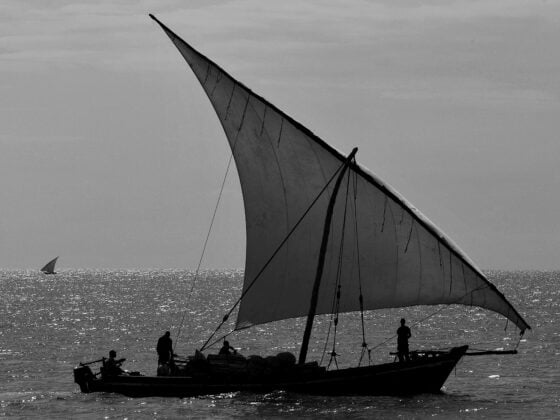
(50, 323)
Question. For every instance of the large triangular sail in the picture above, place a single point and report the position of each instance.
(402, 258)
(49, 267)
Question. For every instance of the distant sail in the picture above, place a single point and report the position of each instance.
(403, 259)
(49, 267)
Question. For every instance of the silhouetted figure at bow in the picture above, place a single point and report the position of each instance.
(403, 334)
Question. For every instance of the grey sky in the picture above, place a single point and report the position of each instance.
(112, 157)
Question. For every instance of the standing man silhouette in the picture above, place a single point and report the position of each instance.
(403, 334)
(164, 348)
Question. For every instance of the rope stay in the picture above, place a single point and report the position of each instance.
(431, 315)
(335, 307)
(338, 284)
(477, 353)
(333, 353)
(265, 265)
(220, 194)
(361, 295)
(196, 276)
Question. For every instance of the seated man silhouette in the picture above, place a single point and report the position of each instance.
(112, 366)
(227, 350)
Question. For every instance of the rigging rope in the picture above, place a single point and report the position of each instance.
(333, 353)
(339, 275)
(361, 296)
(221, 338)
(257, 276)
(205, 244)
(326, 341)
(233, 147)
(519, 341)
(431, 315)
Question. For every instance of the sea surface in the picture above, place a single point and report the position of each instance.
(48, 324)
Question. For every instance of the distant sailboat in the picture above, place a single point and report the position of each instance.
(49, 267)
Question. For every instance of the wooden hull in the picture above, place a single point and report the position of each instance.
(424, 375)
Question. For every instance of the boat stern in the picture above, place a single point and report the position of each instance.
(82, 376)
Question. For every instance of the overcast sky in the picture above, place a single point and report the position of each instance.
(112, 157)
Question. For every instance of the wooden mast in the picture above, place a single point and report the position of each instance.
(321, 262)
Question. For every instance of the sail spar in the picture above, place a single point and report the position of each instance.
(390, 250)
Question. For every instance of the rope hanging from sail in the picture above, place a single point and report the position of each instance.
(332, 323)
(230, 160)
(519, 341)
(335, 310)
(278, 248)
(472, 353)
(204, 246)
(338, 284)
(326, 341)
(361, 295)
(432, 314)
(335, 307)
(333, 353)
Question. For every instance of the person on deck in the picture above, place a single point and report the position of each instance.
(164, 348)
(403, 334)
(227, 349)
(112, 366)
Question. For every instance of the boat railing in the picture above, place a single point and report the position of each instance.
(92, 362)
(421, 354)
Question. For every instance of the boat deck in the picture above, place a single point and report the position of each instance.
(425, 374)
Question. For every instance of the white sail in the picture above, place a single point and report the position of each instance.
(49, 267)
(394, 254)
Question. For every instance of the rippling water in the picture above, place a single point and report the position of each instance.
(50, 323)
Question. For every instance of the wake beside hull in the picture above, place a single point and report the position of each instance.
(425, 375)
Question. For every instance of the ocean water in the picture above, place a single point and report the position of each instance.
(48, 324)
